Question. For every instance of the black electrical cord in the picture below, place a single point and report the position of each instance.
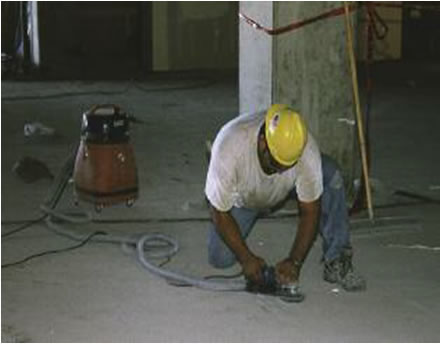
(24, 226)
(16, 222)
(45, 253)
(152, 220)
(53, 201)
(236, 275)
(207, 278)
(420, 200)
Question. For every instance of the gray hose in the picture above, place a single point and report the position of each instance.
(175, 277)
(55, 218)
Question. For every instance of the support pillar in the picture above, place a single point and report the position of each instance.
(307, 68)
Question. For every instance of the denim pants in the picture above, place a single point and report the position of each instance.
(333, 223)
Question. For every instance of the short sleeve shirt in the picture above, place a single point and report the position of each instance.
(236, 178)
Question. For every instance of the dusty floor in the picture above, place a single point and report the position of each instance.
(98, 293)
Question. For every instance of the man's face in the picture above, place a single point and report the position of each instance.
(268, 163)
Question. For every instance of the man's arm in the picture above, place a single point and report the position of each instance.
(288, 270)
(307, 230)
(228, 229)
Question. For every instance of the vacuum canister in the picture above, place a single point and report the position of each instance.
(105, 169)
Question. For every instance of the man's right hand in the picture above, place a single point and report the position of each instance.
(252, 268)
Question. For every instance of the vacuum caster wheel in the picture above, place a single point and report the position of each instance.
(130, 202)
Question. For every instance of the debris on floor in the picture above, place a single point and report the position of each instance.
(30, 170)
(37, 128)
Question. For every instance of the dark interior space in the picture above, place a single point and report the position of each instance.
(421, 32)
(91, 40)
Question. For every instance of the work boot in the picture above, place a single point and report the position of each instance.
(342, 272)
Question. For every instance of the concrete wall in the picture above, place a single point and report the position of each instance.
(307, 68)
(195, 35)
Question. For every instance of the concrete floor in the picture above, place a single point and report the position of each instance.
(98, 293)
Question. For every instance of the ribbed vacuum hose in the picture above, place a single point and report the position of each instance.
(55, 218)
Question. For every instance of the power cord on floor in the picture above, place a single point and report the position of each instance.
(56, 220)
(24, 226)
(236, 275)
(45, 253)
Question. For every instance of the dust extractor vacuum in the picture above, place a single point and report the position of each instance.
(105, 169)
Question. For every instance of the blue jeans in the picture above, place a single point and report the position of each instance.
(333, 224)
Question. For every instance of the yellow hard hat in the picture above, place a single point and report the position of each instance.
(286, 134)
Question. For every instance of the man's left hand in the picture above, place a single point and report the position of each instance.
(287, 272)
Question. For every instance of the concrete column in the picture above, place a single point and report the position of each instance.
(255, 57)
(307, 68)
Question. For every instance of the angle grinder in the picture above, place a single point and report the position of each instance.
(270, 286)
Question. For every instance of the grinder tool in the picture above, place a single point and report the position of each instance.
(270, 286)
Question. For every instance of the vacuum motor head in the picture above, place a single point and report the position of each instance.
(105, 123)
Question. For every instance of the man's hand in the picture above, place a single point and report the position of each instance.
(252, 268)
(287, 272)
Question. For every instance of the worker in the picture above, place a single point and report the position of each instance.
(259, 161)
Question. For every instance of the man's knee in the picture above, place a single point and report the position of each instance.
(221, 260)
(219, 255)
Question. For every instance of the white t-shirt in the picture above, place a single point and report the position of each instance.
(235, 176)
